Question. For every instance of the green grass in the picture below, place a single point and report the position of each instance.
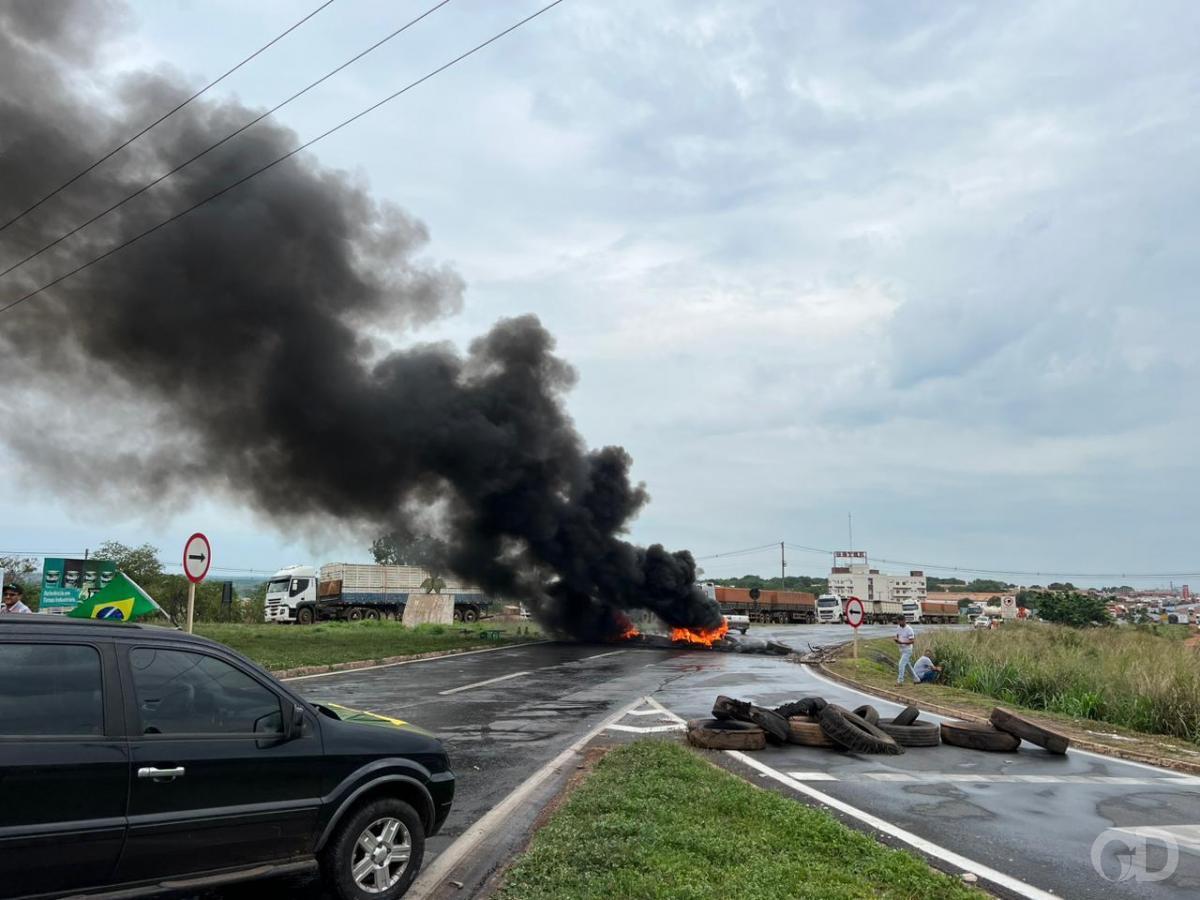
(654, 820)
(1141, 678)
(290, 646)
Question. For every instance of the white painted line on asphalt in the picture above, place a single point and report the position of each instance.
(666, 712)
(499, 814)
(1008, 882)
(1187, 837)
(813, 776)
(1114, 760)
(645, 712)
(983, 778)
(647, 729)
(467, 687)
(410, 662)
(598, 655)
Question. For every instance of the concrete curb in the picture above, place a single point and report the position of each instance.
(301, 671)
(1163, 762)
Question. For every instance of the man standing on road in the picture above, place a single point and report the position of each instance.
(12, 599)
(904, 637)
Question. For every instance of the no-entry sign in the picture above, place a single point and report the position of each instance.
(197, 557)
(855, 612)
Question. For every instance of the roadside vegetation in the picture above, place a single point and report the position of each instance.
(292, 646)
(1142, 678)
(654, 820)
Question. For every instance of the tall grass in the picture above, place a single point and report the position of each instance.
(1140, 678)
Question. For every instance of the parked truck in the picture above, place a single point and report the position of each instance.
(939, 611)
(829, 609)
(351, 591)
(774, 607)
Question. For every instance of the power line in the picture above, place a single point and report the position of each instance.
(747, 551)
(276, 161)
(211, 147)
(113, 152)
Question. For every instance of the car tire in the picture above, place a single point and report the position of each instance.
(805, 706)
(856, 734)
(979, 736)
(870, 713)
(305, 615)
(725, 734)
(1052, 741)
(916, 734)
(906, 716)
(347, 850)
(806, 731)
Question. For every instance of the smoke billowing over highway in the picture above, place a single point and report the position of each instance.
(238, 350)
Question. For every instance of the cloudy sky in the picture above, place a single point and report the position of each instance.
(932, 264)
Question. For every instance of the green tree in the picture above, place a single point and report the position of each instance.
(987, 586)
(139, 563)
(1071, 608)
(964, 602)
(400, 549)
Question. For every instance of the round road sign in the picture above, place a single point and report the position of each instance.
(855, 612)
(197, 557)
(1009, 601)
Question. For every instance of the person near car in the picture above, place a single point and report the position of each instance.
(925, 670)
(13, 603)
(905, 636)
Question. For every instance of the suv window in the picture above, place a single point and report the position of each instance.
(50, 689)
(189, 693)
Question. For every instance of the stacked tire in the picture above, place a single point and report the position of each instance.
(907, 731)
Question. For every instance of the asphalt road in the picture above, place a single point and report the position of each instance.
(504, 714)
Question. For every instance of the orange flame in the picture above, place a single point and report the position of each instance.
(705, 637)
(628, 634)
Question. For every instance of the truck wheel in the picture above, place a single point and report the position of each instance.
(855, 733)
(355, 614)
(979, 736)
(458, 615)
(725, 734)
(1030, 731)
(376, 853)
(470, 615)
(304, 615)
(372, 614)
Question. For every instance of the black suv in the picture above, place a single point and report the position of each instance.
(136, 759)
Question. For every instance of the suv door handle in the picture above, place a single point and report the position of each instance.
(164, 774)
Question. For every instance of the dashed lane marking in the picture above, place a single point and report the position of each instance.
(598, 655)
(647, 729)
(979, 778)
(467, 687)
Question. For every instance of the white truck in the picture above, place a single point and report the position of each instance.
(352, 591)
(912, 611)
(829, 609)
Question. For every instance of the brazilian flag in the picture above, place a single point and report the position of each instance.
(120, 600)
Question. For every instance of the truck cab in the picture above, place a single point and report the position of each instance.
(829, 609)
(911, 610)
(287, 589)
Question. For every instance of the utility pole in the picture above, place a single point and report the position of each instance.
(782, 568)
(850, 525)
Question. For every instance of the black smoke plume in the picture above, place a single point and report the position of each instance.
(244, 350)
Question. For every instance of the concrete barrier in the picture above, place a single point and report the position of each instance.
(429, 609)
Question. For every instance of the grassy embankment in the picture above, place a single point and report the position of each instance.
(1132, 679)
(292, 646)
(654, 820)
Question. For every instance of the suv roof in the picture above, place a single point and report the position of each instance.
(46, 624)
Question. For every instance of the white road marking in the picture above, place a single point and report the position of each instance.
(962, 863)
(410, 662)
(647, 729)
(498, 816)
(644, 712)
(598, 655)
(467, 687)
(1187, 837)
(980, 778)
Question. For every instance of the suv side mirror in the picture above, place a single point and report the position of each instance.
(293, 722)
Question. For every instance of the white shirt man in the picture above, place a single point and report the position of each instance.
(12, 600)
(905, 636)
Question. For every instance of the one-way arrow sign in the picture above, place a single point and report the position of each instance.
(197, 554)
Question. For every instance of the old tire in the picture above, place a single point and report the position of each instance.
(1006, 720)
(725, 734)
(728, 708)
(345, 853)
(305, 615)
(775, 725)
(979, 736)
(906, 716)
(870, 713)
(918, 734)
(806, 731)
(805, 706)
(855, 733)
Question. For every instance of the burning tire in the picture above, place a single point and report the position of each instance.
(1030, 731)
(855, 733)
(725, 734)
(979, 736)
(870, 713)
(805, 706)
(915, 734)
(806, 731)
(906, 716)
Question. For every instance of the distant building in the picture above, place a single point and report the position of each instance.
(871, 585)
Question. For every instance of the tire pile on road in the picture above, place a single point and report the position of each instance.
(814, 722)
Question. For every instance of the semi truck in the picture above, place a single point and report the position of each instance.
(771, 607)
(932, 611)
(352, 591)
(829, 609)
